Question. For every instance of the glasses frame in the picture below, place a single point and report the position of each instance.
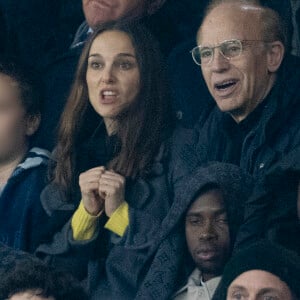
(241, 42)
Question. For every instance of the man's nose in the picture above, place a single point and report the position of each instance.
(207, 231)
(219, 62)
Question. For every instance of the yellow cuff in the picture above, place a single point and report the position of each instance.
(119, 220)
(83, 224)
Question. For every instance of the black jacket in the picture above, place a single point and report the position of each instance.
(271, 131)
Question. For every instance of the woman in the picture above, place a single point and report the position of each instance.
(113, 136)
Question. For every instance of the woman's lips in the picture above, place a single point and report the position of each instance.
(108, 96)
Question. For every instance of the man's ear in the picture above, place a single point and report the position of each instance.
(33, 123)
(154, 5)
(275, 56)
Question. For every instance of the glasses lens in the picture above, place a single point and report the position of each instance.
(196, 55)
(231, 49)
(205, 54)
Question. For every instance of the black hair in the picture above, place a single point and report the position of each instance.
(27, 83)
(32, 275)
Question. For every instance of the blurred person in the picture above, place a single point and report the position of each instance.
(32, 279)
(22, 168)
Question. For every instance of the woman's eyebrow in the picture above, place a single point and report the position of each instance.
(125, 54)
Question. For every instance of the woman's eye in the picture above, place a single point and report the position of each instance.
(125, 65)
(95, 65)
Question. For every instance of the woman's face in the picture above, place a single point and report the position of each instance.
(113, 76)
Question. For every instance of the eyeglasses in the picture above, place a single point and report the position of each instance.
(203, 55)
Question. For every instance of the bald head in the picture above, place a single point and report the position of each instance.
(271, 26)
(240, 17)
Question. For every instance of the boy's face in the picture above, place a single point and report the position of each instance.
(207, 233)
(15, 125)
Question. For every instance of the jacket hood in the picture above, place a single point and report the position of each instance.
(235, 184)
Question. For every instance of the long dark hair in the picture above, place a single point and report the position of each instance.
(141, 129)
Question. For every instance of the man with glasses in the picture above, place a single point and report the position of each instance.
(255, 85)
(241, 52)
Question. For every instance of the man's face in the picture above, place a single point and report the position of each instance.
(207, 233)
(258, 285)
(238, 84)
(100, 11)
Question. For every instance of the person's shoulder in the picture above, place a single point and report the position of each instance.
(35, 159)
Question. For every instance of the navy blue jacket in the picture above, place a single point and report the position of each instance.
(21, 214)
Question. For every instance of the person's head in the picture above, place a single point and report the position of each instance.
(262, 270)
(241, 47)
(218, 192)
(207, 232)
(258, 285)
(120, 79)
(19, 110)
(34, 280)
(98, 12)
(30, 295)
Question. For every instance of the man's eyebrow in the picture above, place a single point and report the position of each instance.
(237, 287)
(275, 291)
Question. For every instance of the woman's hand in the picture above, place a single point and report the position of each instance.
(89, 186)
(112, 189)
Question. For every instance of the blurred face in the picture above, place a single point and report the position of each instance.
(207, 233)
(258, 285)
(113, 76)
(100, 11)
(238, 85)
(15, 125)
(29, 295)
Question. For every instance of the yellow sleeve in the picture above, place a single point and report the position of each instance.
(119, 220)
(83, 224)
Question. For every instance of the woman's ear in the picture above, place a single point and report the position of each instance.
(33, 123)
(275, 56)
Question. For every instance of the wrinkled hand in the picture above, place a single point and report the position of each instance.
(112, 189)
(89, 186)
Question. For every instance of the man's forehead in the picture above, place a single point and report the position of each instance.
(235, 21)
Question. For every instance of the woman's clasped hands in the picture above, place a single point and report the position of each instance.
(101, 189)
